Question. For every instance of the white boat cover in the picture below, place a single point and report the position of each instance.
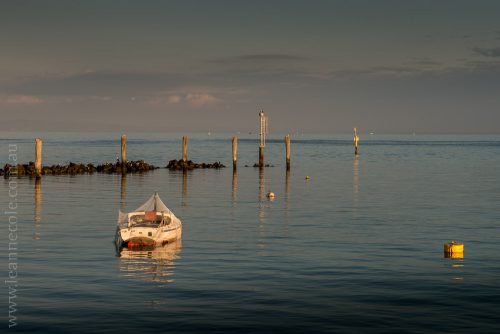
(154, 203)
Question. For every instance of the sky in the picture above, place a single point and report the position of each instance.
(198, 66)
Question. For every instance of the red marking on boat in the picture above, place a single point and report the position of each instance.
(132, 244)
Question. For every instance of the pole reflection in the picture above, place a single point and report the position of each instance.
(261, 184)
(355, 173)
(234, 188)
(38, 208)
(287, 186)
(287, 199)
(184, 188)
(123, 191)
(262, 246)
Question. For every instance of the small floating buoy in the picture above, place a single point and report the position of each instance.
(307, 177)
(270, 195)
(454, 250)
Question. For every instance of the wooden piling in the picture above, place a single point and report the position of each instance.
(38, 157)
(184, 148)
(124, 149)
(287, 144)
(356, 140)
(235, 149)
(263, 130)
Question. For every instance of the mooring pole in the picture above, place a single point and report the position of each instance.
(287, 145)
(38, 157)
(124, 150)
(235, 149)
(356, 140)
(184, 148)
(262, 138)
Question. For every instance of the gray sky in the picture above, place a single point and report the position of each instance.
(313, 66)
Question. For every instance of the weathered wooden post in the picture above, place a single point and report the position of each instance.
(356, 140)
(263, 130)
(184, 148)
(124, 150)
(38, 157)
(287, 144)
(235, 149)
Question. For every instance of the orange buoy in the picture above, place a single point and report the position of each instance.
(454, 250)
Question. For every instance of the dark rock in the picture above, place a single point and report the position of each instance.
(189, 165)
(47, 171)
(76, 168)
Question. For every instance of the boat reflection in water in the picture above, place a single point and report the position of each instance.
(150, 263)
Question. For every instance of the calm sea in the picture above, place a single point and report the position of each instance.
(356, 248)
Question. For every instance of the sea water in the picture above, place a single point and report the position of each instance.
(356, 247)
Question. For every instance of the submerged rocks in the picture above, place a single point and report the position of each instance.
(18, 170)
(77, 168)
(72, 168)
(128, 167)
(188, 165)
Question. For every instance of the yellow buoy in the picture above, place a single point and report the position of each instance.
(454, 250)
(270, 195)
(307, 177)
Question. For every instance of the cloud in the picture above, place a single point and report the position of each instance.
(482, 66)
(24, 100)
(378, 71)
(174, 99)
(425, 62)
(191, 99)
(197, 100)
(95, 83)
(270, 56)
(487, 52)
(259, 58)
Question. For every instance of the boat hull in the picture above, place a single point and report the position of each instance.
(147, 236)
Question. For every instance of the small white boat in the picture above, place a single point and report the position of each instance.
(151, 224)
